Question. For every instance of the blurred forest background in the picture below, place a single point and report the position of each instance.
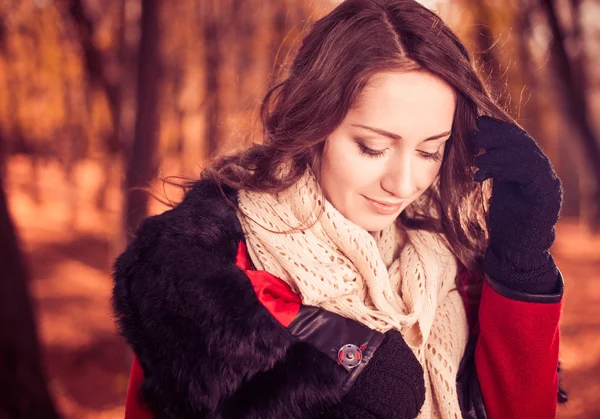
(102, 98)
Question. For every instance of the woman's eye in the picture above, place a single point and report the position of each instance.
(431, 156)
(369, 152)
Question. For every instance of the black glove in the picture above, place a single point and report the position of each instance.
(386, 382)
(525, 204)
(391, 386)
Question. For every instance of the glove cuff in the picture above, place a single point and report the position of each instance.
(531, 272)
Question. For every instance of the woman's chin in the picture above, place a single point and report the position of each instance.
(375, 223)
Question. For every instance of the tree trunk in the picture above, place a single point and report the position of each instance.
(113, 88)
(578, 57)
(575, 109)
(530, 114)
(244, 21)
(491, 66)
(142, 165)
(278, 34)
(23, 384)
(212, 71)
(93, 59)
(110, 160)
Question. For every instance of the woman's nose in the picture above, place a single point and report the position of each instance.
(399, 180)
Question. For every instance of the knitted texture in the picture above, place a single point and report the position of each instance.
(378, 390)
(386, 280)
(524, 207)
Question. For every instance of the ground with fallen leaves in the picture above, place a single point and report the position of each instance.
(70, 248)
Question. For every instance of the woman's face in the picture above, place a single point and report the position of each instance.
(389, 148)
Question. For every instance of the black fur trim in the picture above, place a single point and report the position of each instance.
(207, 346)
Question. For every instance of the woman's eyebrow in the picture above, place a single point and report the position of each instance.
(396, 136)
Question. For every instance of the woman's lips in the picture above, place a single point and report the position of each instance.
(385, 209)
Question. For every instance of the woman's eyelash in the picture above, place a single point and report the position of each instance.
(431, 156)
(378, 153)
(368, 151)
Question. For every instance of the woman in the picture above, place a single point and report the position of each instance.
(349, 266)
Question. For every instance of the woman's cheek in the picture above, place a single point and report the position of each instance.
(424, 173)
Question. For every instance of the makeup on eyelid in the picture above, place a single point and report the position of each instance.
(373, 153)
(389, 150)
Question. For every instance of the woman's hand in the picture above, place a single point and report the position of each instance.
(382, 378)
(525, 204)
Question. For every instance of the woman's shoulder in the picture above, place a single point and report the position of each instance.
(187, 311)
(198, 237)
(206, 216)
(205, 221)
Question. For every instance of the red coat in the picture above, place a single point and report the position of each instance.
(516, 355)
(516, 350)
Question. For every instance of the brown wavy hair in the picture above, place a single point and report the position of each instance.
(336, 60)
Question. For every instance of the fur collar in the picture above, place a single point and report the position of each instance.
(207, 346)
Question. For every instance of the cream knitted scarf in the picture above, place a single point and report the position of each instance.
(368, 277)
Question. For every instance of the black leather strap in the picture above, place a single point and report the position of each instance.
(470, 398)
(330, 332)
(504, 291)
